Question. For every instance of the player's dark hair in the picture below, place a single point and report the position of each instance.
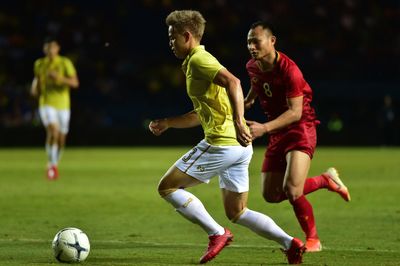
(49, 39)
(265, 25)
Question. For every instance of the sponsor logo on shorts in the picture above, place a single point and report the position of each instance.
(201, 168)
(187, 157)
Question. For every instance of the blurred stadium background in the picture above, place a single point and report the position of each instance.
(348, 51)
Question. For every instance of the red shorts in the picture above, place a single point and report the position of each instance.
(300, 137)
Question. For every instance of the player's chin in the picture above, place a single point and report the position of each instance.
(254, 56)
(179, 56)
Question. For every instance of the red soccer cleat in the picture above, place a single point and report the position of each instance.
(52, 172)
(216, 244)
(335, 184)
(295, 253)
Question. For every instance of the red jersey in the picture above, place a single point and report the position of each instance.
(284, 81)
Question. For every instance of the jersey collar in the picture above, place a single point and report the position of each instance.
(56, 58)
(191, 53)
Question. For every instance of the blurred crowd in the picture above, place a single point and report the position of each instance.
(348, 50)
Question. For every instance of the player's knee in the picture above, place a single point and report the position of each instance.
(293, 195)
(273, 197)
(235, 215)
(164, 192)
(231, 215)
(293, 198)
(234, 211)
(53, 135)
(61, 141)
(164, 189)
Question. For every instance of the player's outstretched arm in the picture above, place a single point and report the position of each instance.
(256, 129)
(226, 79)
(35, 88)
(250, 98)
(291, 115)
(72, 81)
(158, 126)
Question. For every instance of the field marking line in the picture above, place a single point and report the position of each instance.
(182, 244)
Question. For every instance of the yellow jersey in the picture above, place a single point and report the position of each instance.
(51, 93)
(210, 101)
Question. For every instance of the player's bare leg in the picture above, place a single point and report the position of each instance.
(273, 193)
(61, 144)
(298, 164)
(272, 187)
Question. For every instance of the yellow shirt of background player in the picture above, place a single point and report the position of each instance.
(210, 101)
(51, 93)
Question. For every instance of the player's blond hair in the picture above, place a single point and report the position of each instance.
(187, 20)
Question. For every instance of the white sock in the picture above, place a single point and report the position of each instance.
(265, 227)
(48, 152)
(59, 154)
(54, 154)
(190, 207)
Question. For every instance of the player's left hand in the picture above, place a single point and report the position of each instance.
(243, 134)
(158, 126)
(54, 75)
(256, 129)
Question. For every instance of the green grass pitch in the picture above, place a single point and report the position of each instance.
(110, 193)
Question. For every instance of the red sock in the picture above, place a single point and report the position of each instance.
(304, 213)
(314, 183)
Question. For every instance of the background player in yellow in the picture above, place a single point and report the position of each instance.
(225, 151)
(54, 75)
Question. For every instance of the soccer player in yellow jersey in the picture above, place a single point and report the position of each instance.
(226, 150)
(54, 75)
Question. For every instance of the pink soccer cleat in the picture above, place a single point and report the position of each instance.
(335, 184)
(313, 245)
(52, 172)
(216, 244)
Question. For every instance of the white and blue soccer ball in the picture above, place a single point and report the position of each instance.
(71, 245)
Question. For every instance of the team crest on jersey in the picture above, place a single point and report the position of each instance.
(254, 80)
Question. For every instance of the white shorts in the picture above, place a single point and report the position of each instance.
(230, 163)
(51, 115)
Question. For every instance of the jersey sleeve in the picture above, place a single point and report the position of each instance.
(205, 67)
(251, 74)
(70, 70)
(36, 67)
(252, 78)
(296, 82)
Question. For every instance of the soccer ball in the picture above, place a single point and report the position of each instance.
(71, 245)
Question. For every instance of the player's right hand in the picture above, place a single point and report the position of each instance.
(256, 129)
(157, 127)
